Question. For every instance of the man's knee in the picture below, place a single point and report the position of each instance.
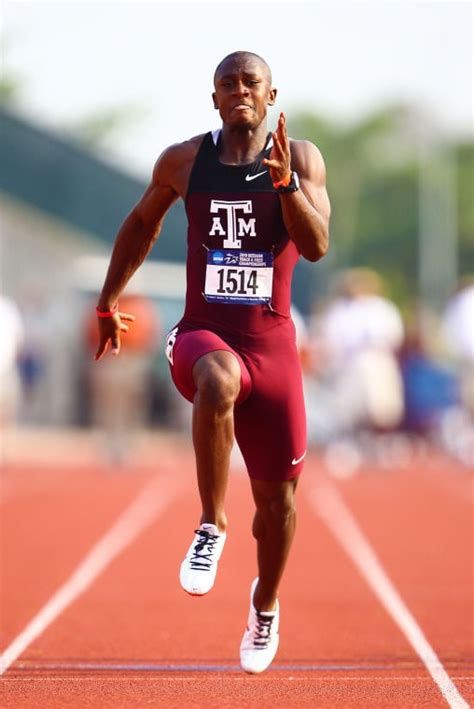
(275, 501)
(217, 379)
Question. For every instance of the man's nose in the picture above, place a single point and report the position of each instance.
(240, 89)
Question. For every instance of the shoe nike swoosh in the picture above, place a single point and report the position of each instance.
(249, 178)
(295, 462)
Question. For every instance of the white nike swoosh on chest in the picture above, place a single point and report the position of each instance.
(248, 178)
(295, 462)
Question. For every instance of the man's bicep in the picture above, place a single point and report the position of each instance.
(160, 193)
(154, 204)
(312, 173)
(318, 196)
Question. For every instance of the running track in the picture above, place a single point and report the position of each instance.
(376, 601)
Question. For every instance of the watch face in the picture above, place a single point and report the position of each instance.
(294, 184)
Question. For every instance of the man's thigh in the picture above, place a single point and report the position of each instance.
(184, 349)
(270, 426)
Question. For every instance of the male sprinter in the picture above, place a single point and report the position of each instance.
(255, 202)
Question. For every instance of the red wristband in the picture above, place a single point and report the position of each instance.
(107, 313)
(283, 183)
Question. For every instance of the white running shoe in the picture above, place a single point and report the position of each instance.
(260, 641)
(199, 568)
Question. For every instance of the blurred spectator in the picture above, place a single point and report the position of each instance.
(11, 342)
(302, 339)
(357, 336)
(458, 330)
(34, 360)
(457, 425)
(459, 323)
(430, 389)
(119, 387)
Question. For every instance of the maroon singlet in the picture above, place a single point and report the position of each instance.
(239, 268)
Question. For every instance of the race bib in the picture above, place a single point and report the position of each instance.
(244, 277)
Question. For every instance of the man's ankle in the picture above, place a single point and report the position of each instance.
(219, 522)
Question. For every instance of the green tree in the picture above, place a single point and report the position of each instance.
(10, 83)
(374, 185)
(465, 203)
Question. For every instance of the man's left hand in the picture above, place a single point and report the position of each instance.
(280, 157)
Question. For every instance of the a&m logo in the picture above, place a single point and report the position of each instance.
(234, 225)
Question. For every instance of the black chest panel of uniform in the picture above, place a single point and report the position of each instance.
(239, 252)
(233, 206)
(209, 173)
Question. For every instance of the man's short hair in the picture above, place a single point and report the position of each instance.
(244, 54)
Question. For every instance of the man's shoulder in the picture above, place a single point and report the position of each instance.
(305, 150)
(306, 158)
(175, 162)
(185, 150)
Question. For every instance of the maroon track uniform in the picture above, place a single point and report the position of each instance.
(248, 224)
(239, 269)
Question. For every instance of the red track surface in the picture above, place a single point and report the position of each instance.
(134, 638)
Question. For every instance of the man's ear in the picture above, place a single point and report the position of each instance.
(214, 101)
(272, 94)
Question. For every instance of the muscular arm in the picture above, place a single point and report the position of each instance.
(139, 232)
(305, 212)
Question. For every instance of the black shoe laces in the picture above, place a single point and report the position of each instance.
(262, 634)
(201, 559)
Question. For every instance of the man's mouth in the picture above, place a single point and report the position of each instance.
(242, 107)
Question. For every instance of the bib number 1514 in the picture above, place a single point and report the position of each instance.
(244, 277)
(240, 281)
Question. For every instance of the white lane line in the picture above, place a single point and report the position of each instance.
(330, 506)
(142, 511)
(230, 678)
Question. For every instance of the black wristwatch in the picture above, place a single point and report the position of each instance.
(292, 186)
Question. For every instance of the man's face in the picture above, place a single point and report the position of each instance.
(243, 92)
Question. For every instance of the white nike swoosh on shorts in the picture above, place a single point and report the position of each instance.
(295, 462)
(248, 178)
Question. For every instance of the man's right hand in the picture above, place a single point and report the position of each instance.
(110, 329)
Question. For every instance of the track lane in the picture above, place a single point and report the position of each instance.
(329, 504)
(420, 521)
(30, 563)
(137, 609)
(329, 616)
(197, 692)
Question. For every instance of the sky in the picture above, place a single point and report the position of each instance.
(156, 59)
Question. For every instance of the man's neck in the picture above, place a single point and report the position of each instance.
(241, 146)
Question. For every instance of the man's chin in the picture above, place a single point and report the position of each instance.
(242, 123)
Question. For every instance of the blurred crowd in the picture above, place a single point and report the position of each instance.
(375, 378)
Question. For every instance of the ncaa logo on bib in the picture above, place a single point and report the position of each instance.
(218, 257)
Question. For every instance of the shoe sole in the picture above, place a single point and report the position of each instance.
(196, 595)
